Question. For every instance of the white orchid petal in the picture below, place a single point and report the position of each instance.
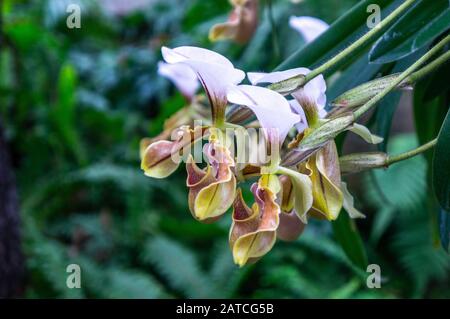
(182, 76)
(255, 77)
(259, 77)
(365, 134)
(303, 124)
(309, 27)
(349, 204)
(271, 108)
(184, 53)
(315, 89)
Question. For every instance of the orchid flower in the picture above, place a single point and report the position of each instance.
(241, 24)
(309, 27)
(254, 230)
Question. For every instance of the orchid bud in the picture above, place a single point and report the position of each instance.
(365, 92)
(326, 132)
(355, 163)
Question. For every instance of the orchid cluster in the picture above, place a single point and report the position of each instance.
(286, 192)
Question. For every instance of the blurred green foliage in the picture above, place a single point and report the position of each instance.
(75, 103)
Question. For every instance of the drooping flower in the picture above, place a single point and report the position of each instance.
(241, 25)
(309, 27)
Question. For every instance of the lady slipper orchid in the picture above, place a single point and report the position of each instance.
(241, 25)
(309, 27)
(254, 230)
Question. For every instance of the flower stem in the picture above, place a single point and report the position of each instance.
(363, 109)
(275, 42)
(404, 156)
(360, 42)
(431, 67)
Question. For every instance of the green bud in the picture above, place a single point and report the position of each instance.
(358, 162)
(289, 85)
(326, 132)
(365, 92)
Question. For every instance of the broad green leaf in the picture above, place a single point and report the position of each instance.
(348, 236)
(423, 22)
(441, 165)
(430, 107)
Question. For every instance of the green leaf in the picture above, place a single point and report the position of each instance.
(64, 112)
(347, 235)
(441, 165)
(423, 22)
(444, 229)
(430, 107)
(341, 33)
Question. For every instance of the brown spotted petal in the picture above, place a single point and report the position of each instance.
(241, 24)
(326, 182)
(212, 190)
(253, 232)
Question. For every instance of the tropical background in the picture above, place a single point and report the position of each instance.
(74, 104)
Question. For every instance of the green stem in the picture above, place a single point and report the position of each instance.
(404, 156)
(361, 41)
(275, 42)
(358, 113)
(431, 67)
(298, 81)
